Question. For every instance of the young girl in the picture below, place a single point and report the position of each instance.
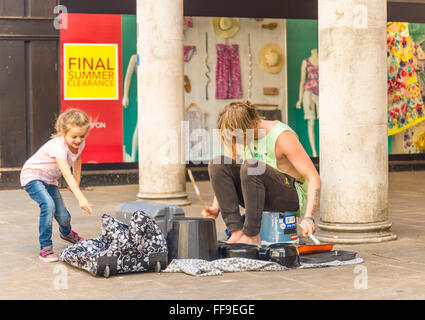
(41, 172)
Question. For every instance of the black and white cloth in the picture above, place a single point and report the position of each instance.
(124, 248)
(203, 268)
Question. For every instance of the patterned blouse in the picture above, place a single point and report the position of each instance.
(312, 83)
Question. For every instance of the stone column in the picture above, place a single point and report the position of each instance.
(353, 121)
(162, 173)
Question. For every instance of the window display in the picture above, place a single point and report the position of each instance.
(406, 110)
(219, 65)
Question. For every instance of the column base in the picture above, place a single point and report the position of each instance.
(355, 233)
(177, 198)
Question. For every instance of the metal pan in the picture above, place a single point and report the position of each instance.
(322, 257)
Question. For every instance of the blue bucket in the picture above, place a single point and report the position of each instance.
(279, 227)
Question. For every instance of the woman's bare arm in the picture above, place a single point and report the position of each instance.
(288, 145)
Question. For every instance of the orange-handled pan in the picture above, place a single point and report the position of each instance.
(314, 248)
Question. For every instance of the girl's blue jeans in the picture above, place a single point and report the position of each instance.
(51, 205)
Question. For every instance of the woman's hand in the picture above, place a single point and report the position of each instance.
(308, 227)
(210, 212)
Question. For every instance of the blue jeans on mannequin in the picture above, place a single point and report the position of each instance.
(51, 205)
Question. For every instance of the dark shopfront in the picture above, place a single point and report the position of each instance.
(30, 79)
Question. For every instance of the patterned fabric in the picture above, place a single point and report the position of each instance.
(312, 82)
(228, 76)
(405, 104)
(188, 52)
(124, 248)
(203, 268)
(188, 22)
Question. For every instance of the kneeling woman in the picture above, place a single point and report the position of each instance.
(267, 169)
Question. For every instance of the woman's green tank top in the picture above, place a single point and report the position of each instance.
(264, 149)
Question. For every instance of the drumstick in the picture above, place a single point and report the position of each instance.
(315, 240)
(196, 189)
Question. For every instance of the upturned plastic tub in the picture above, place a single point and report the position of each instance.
(192, 238)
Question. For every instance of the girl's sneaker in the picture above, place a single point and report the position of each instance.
(73, 237)
(47, 255)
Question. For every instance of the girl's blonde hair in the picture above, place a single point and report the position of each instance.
(71, 118)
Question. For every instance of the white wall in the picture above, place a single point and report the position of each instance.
(195, 69)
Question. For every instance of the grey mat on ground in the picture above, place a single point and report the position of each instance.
(202, 268)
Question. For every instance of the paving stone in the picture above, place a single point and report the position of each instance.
(395, 270)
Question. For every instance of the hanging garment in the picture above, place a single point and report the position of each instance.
(188, 23)
(312, 82)
(228, 76)
(134, 248)
(405, 104)
(198, 135)
(188, 52)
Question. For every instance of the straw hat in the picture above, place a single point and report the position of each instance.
(270, 58)
(226, 27)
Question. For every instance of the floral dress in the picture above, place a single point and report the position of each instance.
(405, 104)
(228, 75)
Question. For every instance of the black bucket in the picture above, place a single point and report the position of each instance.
(238, 250)
(192, 238)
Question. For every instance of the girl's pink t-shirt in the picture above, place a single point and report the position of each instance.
(43, 166)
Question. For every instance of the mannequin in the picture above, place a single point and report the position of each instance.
(132, 66)
(309, 94)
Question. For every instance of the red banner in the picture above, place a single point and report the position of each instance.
(91, 76)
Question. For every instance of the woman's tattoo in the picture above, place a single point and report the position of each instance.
(316, 201)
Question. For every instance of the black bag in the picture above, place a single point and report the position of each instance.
(137, 247)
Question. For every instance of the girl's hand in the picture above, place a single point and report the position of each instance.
(210, 212)
(307, 227)
(86, 205)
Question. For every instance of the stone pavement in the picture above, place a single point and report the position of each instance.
(391, 270)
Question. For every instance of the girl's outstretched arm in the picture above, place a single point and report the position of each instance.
(72, 184)
(76, 170)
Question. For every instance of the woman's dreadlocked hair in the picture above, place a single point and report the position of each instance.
(233, 122)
